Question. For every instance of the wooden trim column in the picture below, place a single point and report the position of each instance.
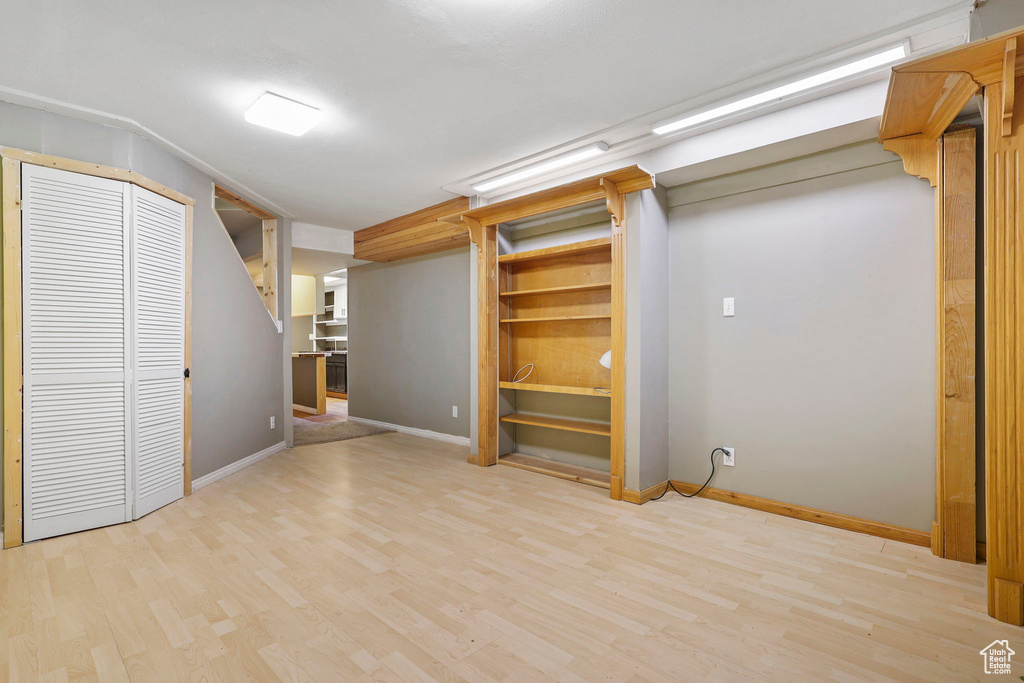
(10, 195)
(955, 533)
(1004, 356)
(270, 267)
(486, 239)
(616, 203)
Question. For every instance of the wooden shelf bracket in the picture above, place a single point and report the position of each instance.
(1009, 64)
(615, 200)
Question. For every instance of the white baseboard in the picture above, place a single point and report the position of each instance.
(425, 433)
(236, 466)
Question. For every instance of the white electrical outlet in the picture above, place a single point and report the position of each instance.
(271, 421)
(728, 307)
(455, 411)
(729, 458)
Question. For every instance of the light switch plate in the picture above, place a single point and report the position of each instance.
(728, 307)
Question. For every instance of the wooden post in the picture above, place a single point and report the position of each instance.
(1004, 357)
(486, 239)
(11, 200)
(956, 507)
(270, 267)
(617, 462)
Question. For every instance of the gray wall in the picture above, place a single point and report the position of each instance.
(237, 352)
(824, 381)
(409, 336)
(302, 327)
(647, 338)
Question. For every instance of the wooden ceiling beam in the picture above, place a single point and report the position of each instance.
(409, 220)
(453, 242)
(422, 235)
(416, 234)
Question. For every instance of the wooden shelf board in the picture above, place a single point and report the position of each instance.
(583, 475)
(603, 243)
(589, 287)
(556, 318)
(598, 428)
(553, 389)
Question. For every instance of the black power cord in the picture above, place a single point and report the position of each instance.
(670, 485)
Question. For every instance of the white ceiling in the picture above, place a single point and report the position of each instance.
(416, 93)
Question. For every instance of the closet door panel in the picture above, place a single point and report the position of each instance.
(158, 275)
(75, 350)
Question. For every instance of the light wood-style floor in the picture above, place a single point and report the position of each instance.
(389, 558)
(337, 411)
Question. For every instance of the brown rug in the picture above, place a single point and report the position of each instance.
(308, 432)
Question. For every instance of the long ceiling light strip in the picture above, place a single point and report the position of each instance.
(582, 154)
(854, 68)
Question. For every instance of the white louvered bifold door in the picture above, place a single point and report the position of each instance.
(75, 345)
(158, 276)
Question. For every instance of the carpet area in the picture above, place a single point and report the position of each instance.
(308, 432)
(331, 426)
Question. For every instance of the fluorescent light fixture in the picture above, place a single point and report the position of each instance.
(859, 66)
(281, 114)
(543, 167)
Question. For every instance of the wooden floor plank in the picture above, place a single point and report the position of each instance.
(389, 558)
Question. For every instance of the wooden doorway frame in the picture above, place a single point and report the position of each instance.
(11, 161)
(269, 255)
(925, 96)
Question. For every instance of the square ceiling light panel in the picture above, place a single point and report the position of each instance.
(281, 114)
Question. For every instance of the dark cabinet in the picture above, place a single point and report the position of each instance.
(337, 373)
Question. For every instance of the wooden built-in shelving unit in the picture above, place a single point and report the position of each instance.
(555, 312)
(560, 308)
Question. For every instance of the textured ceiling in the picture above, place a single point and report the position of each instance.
(416, 93)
